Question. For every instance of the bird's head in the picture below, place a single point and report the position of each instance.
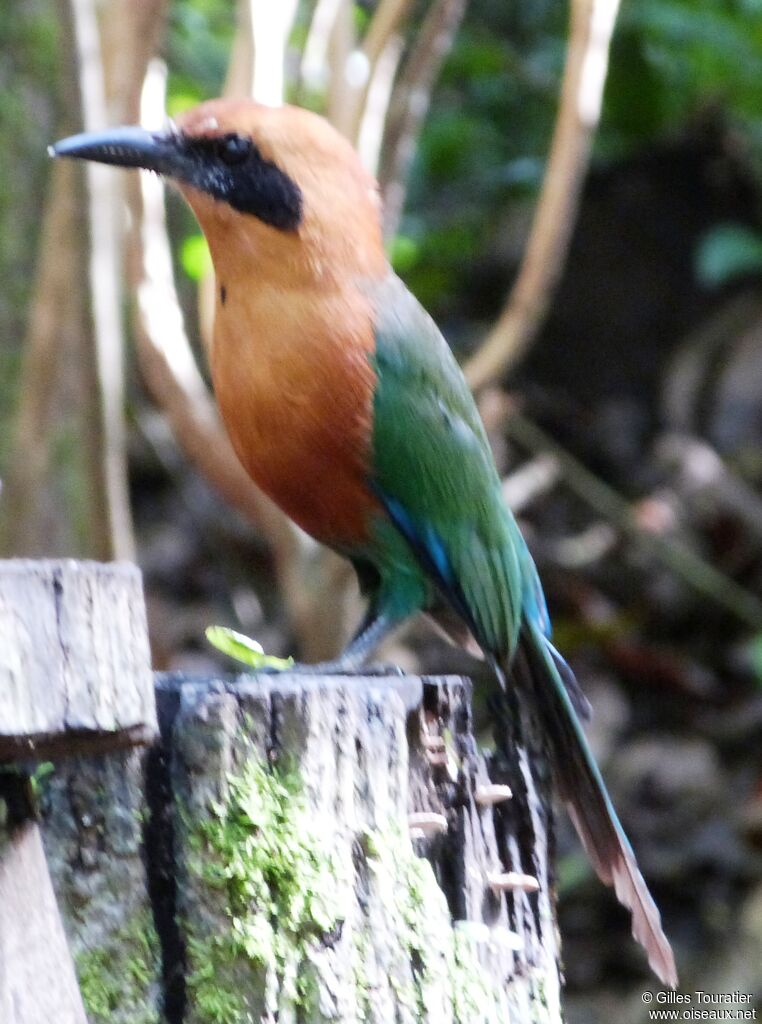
(272, 185)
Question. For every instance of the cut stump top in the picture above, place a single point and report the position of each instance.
(75, 665)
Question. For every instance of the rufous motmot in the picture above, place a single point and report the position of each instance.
(345, 404)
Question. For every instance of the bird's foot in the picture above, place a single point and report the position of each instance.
(382, 668)
(333, 668)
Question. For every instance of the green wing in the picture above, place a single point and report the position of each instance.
(433, 468)
(434, 471)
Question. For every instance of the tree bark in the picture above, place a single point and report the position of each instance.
(74, 659)
(37, 981)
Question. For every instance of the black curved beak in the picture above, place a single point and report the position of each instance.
(162, 152)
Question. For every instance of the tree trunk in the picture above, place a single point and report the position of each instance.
(74, 659)
(37, 982)
(67, 475)
(74, 676)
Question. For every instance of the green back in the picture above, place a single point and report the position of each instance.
(433, 466)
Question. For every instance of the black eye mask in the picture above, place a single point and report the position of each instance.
(230, 168)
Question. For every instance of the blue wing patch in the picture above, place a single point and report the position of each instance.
(431, 552)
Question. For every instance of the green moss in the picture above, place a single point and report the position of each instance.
(407, 887)
(442, 959)
(116, 978)
(262, 853)
(360, 953)
(416, 892)
(474, 999)
(265, 882)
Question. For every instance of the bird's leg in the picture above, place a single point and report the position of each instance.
(374, 628)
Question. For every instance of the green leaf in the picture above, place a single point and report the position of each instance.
(728, 251)
(181, 100)
(755, 652)
(195, 257)
(244, 649)
(37, 779)
(404, 252)
(572, 871)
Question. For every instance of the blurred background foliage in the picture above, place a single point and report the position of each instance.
(484, 142)
(647, 371)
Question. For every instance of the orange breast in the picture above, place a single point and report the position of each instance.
(294, 383)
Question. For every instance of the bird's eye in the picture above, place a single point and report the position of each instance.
(234, 149)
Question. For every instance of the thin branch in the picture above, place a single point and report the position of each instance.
(131, 33)
(313, 70)
(354, 75)
(410, 103)
(105, 284)
(377, 46)
(591, 28)
(371, 130)
(271, 25)
(341, 87)
(385, 23)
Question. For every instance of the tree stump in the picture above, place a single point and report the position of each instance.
(74, 679)
(309, 849)
(340, 853)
